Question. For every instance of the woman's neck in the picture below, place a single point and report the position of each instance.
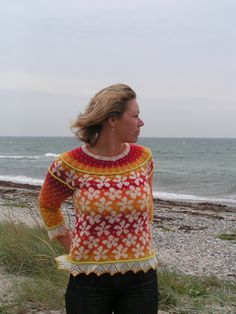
(106, 146)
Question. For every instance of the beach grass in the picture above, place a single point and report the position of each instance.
(11, 204)
(228, 236)
(191, 294)
(27, 256)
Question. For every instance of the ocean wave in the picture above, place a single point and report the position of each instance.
(193, 198)
(18, 157)
(21, 179)
(51, 155)
(29, 157)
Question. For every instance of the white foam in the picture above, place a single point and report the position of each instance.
(29, 157)
(21, 179)
(193, 198)
(51, 155)
(18, 157)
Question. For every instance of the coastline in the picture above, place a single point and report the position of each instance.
(185, 233)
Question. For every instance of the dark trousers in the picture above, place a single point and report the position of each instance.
(119, 294)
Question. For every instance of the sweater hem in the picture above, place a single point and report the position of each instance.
(76, 268)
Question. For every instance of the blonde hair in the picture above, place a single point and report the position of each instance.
(108, 102)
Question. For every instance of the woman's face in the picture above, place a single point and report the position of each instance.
(128, 126)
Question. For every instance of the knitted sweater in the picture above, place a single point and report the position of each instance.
(113, 207)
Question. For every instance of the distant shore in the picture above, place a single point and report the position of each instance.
(186, 235)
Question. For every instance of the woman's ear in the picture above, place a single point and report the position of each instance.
(112, 121)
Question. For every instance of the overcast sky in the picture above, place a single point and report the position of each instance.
(178, 55)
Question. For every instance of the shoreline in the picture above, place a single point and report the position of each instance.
(193, 204)
(186, 234)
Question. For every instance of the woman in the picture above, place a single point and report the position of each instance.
(110, 257)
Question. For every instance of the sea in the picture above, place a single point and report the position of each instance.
(186, 169)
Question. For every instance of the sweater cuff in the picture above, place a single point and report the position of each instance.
(58, 231)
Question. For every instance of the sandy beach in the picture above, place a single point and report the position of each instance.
(185, 234)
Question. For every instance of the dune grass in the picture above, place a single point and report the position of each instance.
(228, 236)
(27, 256)
(11, 203)
(190, 294)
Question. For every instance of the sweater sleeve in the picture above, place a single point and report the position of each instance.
(54, 192)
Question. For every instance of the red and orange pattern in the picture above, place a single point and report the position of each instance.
(113, 205)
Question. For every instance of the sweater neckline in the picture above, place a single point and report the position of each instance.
(107, 158)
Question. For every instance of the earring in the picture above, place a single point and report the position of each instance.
(113, 129)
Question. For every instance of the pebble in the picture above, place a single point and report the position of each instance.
(195, 249)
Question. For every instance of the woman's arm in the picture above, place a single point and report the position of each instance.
(53, 193)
